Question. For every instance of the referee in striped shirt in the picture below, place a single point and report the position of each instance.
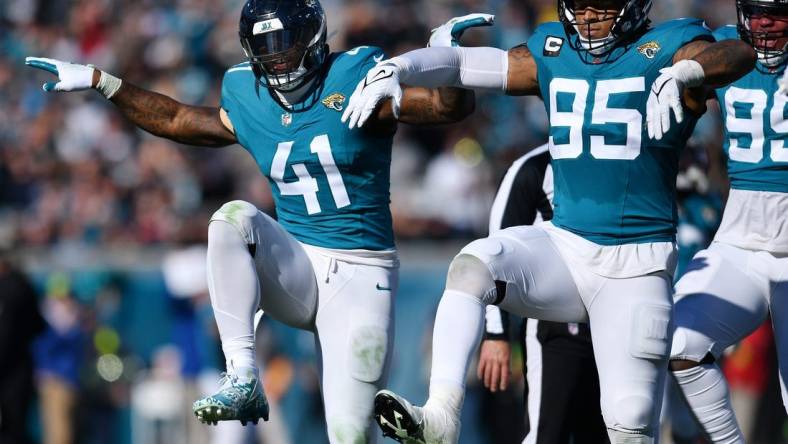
(561, 380)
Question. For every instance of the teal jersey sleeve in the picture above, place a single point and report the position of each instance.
(754, 114)
(613, 185)
(330, 184)
(727, 32)
(238, 82)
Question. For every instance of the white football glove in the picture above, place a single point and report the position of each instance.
(665, 96)
(449, 33)
(666, 93)
(71, 76)
(381, 83)
(75, 77)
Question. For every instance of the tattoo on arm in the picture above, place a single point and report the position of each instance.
(522, 78)
(422, 106)
(162, 116)
(723, 62)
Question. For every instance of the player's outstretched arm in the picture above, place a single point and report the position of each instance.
(723, 62)
(521, 79)
(424, 106)
(165, 117)
(469, 68)
(699, 67)
(156, 113)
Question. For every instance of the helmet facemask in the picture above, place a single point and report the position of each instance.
(285, 58)
(628, 16)
(764, 25)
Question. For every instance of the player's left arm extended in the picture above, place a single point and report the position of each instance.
(423, 106)
(698, 68)
(722, 62)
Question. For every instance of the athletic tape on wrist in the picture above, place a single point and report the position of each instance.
(689, 72)
(108, 85)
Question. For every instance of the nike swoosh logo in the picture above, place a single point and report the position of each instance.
(378, 58)
(382, 288)
(381, 75)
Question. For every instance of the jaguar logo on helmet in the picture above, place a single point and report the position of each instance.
(764, 25)
(631, 18)
(285, 41)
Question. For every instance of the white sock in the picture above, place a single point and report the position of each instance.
(707, 394)
(456, 336)
(235, 296)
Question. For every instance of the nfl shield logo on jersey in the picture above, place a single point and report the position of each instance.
(287, 119)
(649, 49)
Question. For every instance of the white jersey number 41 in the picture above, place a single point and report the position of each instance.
(306, 185)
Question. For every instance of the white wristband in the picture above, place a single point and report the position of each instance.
(108, 85)
(689, 73)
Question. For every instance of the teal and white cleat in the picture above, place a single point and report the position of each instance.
(241, 400)
(408, 424)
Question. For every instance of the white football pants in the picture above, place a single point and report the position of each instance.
(630, 320)
(349, 307)
(726, 293)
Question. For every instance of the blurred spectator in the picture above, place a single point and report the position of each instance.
(59, 353)
(20, 322)
(158, 401)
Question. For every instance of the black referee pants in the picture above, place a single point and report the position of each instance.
(564, 385)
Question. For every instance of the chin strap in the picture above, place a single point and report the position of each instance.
(771, 60)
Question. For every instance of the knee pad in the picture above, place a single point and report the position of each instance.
(651, 325)
(240, 214)
(368, 348)
(619, 437)
(468, 274)
(633, 415)
(690, 345)
(347, 430)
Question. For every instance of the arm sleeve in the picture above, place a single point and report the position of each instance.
(471, 68)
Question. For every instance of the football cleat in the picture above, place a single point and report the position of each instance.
(408, 424)
(241, 400)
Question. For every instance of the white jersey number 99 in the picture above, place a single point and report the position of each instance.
(754, 126)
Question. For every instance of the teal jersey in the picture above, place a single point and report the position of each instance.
(613, 185)
(756, 130)
(330, 184)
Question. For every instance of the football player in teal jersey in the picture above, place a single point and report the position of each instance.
(329, 264)
(731, 287)
(622, 97)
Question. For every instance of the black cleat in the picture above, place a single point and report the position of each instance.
(398, 419)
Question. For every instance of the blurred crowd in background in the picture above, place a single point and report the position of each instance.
(77, 181)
